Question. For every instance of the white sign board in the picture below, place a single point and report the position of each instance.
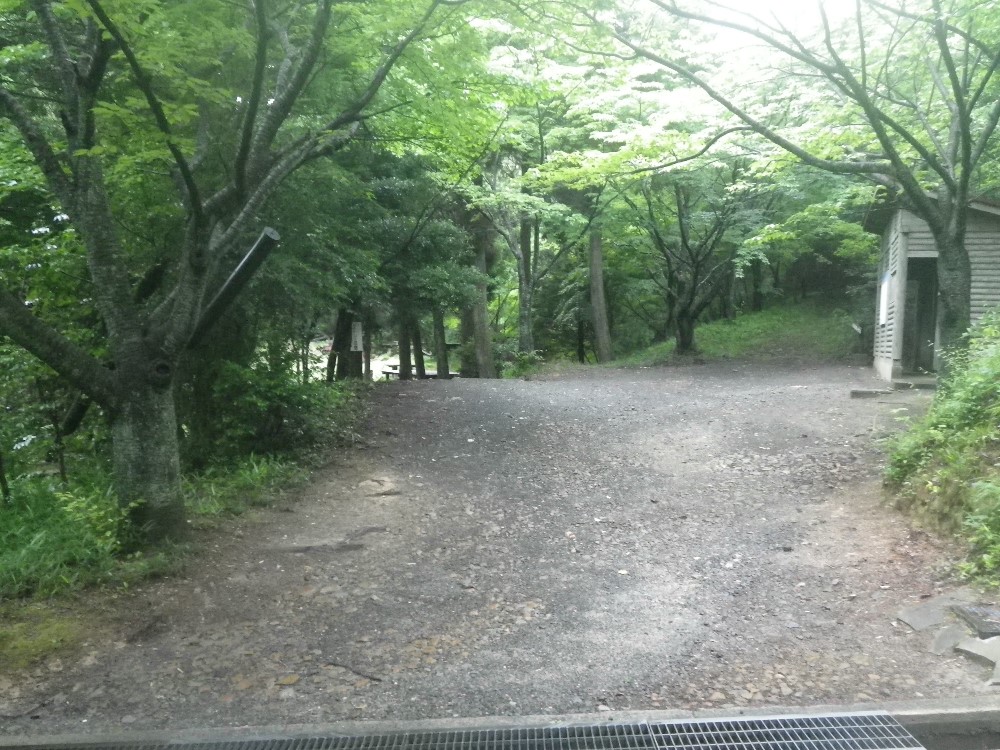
(357, 338)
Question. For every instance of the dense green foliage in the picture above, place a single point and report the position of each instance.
(946, 467)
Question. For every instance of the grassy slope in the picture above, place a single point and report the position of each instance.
(816, 331)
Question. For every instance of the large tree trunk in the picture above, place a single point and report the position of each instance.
(440, 344)
(405, 359)
(525, 289)
(954, 292)
(349, 364)
(685, 334)
(145, 458)
(418, 348)
(467, 365)
(598, 303)
(481, 333)
(670, 303)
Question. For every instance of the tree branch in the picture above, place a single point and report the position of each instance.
(39, 147)
(284, 98)
(253, 101)
(838, 167)
(837, 73)
(989, 127)
(163, 124)
(55, 350)
(382, 72)
(63, 58)
(903, 13)
(691, 157)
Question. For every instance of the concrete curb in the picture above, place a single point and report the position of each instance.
(943, 724)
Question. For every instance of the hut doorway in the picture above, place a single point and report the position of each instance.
(920, 316)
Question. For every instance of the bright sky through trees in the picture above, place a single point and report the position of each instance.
(793, 11)
(800, 16)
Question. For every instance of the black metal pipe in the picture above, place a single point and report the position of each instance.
(237, 280)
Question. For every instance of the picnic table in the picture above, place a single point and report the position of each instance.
(392, 371)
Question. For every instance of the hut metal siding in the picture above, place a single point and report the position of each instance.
(982, 241)
(889, 275)
(905, 236)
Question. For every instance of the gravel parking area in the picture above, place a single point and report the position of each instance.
(707, 536)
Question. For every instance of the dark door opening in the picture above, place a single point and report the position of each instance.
(920, 316)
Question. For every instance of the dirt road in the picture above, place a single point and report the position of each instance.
(704, 536)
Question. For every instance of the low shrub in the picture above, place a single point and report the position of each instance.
(521, 364)
(267, 412)
(982, 525)
(945, 469)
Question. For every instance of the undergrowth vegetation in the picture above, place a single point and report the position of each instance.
(59, 535)
(946, 468)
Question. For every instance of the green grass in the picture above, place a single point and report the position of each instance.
(55, 539)
(231, 490)
(812, 331)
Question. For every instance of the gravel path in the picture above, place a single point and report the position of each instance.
(703, 536)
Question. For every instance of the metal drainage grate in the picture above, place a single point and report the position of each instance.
(873, 731)
(857, 732)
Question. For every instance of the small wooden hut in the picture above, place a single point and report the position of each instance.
(906, 302)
